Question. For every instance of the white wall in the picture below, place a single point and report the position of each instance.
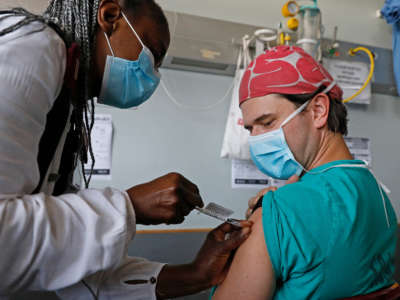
(355, 18)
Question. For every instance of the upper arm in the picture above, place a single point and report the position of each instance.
(251, 275)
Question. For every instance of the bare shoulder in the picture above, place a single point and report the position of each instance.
(251, 275)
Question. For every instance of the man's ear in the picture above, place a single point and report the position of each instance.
(108, 14)
(319, 107)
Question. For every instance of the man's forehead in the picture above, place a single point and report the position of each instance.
(270, 105)
(269, 102)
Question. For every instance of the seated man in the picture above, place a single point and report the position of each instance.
(330, 235)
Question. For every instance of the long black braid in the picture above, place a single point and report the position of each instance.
(78, 20)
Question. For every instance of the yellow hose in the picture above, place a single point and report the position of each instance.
(352, 52)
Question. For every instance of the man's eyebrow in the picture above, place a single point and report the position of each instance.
(262, 118)
(258, 120)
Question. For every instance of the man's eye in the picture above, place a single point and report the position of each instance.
(268, 124)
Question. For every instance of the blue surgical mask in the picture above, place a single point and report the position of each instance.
(271, 153)
(126, 83)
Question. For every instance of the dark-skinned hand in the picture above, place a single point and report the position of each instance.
(168, 199)
(214, 258)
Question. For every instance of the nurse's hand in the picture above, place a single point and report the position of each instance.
(210, 266)
(214, 258)
(253, 201)
(167, 199)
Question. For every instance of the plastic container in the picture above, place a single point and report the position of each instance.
(310, 30)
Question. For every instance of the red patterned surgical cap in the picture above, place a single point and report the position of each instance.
(286, 70)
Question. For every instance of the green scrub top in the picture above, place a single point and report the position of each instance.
(327, 234)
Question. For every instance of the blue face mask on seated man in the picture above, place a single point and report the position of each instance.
(271, 153)
(126, 83)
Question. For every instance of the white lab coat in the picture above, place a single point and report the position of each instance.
(46, 242)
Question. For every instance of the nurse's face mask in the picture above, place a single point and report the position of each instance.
(271, 153)
(126, 83)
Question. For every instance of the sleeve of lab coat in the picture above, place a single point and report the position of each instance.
(49, 243)
(112, 284)
(46, 243)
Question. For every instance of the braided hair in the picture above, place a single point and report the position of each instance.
(78, 22)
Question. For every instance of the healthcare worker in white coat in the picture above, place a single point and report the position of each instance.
(54, 237)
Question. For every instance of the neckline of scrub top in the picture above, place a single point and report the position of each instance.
(332, 164)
